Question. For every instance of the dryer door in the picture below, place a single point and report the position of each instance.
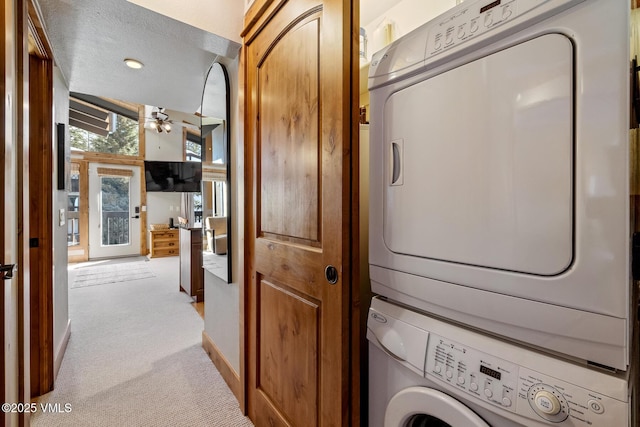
(422, 406)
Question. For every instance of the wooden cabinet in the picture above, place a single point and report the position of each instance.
(164, 243)
(191, 274)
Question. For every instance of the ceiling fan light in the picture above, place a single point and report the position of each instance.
(166, 127)
(133, 63)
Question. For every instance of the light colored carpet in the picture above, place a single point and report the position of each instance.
(135, 359)
(114, 273)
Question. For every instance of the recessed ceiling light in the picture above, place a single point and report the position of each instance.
(133, 63)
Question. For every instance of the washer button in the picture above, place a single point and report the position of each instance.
(460, 380)
(473, 386)
(595, 406)
(437, 369)
(449, 374)
(506, 11)
(506, 401)
(462, 31)
(474, 26)
(488, 19)
(438, 41)
(448, 39)
(488, 392)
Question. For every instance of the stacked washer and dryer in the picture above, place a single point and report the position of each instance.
(500, 219)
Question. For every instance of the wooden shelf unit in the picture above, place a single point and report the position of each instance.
(164, 243)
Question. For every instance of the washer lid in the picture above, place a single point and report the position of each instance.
(414, 401)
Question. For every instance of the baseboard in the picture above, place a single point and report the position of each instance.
(224, 367)
(60, 351)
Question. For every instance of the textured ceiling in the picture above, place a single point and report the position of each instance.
(90, 39)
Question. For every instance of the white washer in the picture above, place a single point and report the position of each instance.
(425, 372)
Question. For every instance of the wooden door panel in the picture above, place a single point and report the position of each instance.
(297, 124)
(288, 134)
(288, 362)
(300, 269)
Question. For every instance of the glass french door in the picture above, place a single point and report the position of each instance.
(114, 210)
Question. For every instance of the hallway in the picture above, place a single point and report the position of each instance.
(135, 354)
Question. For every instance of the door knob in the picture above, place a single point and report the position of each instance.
(7, 271)
(331, 273)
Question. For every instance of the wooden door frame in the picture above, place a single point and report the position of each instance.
(15, 131)
(40, 182)
(256, 17)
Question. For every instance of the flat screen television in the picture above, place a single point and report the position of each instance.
(173, 176)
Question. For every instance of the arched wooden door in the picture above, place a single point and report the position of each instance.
(298, 64)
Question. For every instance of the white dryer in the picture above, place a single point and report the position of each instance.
(425, 372)
(499, 185)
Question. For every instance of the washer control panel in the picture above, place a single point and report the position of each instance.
(486, 377)
(469, 22)
(519, 390)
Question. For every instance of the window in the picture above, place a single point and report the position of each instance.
(193, 147)
(101, 126)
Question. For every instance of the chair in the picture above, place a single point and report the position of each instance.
(216, 229)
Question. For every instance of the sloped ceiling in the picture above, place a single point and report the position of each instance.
(91, 38)
(191, 12)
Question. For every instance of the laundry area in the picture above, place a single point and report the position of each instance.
(502, 224)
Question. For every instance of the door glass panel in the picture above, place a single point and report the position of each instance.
(114, 204)
(73, 211)
(424, 420)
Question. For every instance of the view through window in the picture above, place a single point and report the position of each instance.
(123, 138)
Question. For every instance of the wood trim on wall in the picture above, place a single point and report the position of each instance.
(255, 12)
(257, 16)
(115, 172)
(41, 224)
(39, 35)
(83, 167)
(142, 152)
(23, 169)
(222, 364)
(60, 351)
(4, 115)
(358, 303)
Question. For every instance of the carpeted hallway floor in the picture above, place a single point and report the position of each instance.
(135, 357)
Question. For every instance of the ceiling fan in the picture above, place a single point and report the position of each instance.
(160, 121)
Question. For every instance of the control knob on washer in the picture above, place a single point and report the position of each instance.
(546, 402)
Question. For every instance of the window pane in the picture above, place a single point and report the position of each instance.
(115, 211)
(123, 138)
(73, 211)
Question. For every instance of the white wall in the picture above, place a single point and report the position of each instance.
(161, 207)
(60, 278)
(407, 15)
(222, 316)
(222, 300)
(169, 147)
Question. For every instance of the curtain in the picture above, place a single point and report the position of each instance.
(186, 208)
